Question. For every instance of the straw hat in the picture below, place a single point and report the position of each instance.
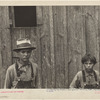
(23, 43)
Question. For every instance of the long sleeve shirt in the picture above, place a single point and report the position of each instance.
(12, 78)
(90, 79)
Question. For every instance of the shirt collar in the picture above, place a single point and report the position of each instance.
(21, 65)
(89, 74)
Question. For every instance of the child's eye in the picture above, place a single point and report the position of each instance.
(28, 51)
(23, 51)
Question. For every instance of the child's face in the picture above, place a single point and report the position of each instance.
(88, 66)
(24, 54)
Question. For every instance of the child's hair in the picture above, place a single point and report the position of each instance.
(88, 57)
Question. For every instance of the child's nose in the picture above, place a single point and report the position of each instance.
(88, 65)
(25, 53)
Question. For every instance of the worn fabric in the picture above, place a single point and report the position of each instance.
(12, 79)
(90, 79)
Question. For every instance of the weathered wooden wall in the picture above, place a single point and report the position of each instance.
(63, 35)
(5, 43)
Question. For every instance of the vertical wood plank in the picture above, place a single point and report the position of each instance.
(45, 47)
(83, 38)
(39, 14)
(91, 31)
(33, 38)
(96, 16)
(52, 60)
(15, 35)
(99, 34)
(38, 49)
(11, 16)
(65, 22)
(5, 41)
(71, 43)
(57, 66)
(75, 31)
(60, 34)
(1, 67)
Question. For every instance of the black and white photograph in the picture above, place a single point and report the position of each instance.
(50, 47)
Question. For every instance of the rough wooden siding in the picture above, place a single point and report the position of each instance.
(62, 36)
(75, 30)
(60, 40)
(74, 33)
(39, 14)
(5, 44)
(91, 32)
(53, 63)
(99, 35)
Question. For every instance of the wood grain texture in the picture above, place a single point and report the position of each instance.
(62, 36)
(45, 48)
(65, 22)
(5, 49)
(52, 54)
(99, 34)
(91, 31)
(39, 14)
(75, 39)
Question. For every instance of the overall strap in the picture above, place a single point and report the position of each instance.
(32, 73)
(95, 76)
(17, 71)
(83, 74)
(84, 78)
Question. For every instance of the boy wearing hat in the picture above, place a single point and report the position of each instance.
(23, 73)
(88, 78)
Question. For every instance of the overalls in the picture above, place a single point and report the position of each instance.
(21, 83)
(90, 85)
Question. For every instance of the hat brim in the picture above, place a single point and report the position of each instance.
(18, 49)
